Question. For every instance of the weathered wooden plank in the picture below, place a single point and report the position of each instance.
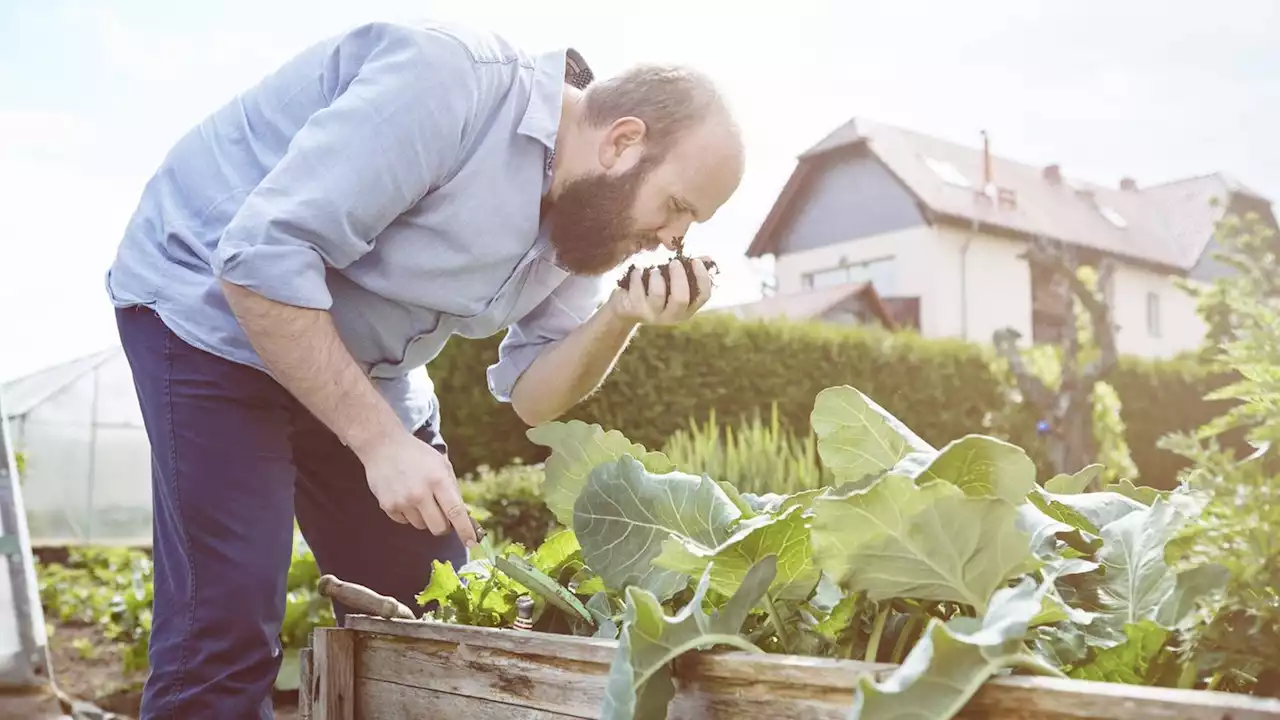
(566, 676)
(554, 684)
(305, 691)
(570, 647)
(335, 668)
(1038, 698)
(381, 700)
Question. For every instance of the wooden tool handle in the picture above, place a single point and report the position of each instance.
(363, 600)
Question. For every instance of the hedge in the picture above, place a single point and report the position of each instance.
(671, 375)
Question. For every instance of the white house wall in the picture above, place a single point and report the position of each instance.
(1179, 327)
(970, 294)
(975, 291)
(909, 248)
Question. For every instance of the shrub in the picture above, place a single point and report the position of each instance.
(508, 503)
(940, 388)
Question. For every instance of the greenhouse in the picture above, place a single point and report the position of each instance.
(86, 461)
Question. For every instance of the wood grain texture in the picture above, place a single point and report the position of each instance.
(306, 689)
(334, 664)
(569, 647)
(553, 684)
(433, 665)
(381, 700)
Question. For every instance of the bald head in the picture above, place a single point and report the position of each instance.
(671, 101)
(641, 157)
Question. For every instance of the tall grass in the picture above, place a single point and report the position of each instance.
(756, 456)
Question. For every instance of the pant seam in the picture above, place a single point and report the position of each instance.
(193, 603)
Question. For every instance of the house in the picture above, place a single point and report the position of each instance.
(937, 229)
(847, 304)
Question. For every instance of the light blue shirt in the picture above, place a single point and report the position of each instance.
(393, 176)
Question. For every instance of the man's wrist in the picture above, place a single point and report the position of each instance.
(616, 317)
(366, 439)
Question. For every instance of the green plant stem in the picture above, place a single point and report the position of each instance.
(1033, 663)
(1215, 680)
(1187, 678)
(908, 630)
(777, 623)
(873, 645)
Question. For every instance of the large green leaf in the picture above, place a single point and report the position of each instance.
(785, 536)
(1055, 609)
(931, 541)
(1145, 495)
(602, 610)
(639, 684)
(1044, 531)
(1087, 512)
(557, 551)
(1073, 484)
(952, 660)
(534, 579)
(857, 437)
(446, 589)
(1138, 584)
(625, 513)
(576, 449)
(1129, 662)
(1137, 580)
(983, 466)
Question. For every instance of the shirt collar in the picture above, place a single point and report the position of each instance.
(551, 70)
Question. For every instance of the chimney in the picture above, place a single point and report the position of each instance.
(1128, 183)
(1053, 173)
(986, 159)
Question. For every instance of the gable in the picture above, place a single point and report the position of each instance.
(834, 198)
(1208, 267)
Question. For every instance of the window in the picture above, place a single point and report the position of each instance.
(878, 272)
(947, 173)
(1114, 217)
(1153, 314)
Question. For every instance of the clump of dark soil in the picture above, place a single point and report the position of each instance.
(665, 270)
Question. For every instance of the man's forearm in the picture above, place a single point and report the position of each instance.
(569, 371)
(302, 349)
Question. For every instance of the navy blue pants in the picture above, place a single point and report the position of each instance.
(234, 457)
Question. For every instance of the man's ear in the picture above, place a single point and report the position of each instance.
(623, 142)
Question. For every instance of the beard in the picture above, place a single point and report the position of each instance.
(591, 226)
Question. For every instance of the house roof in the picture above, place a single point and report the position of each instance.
(811, 304)
(1167, 225)
(20, 395)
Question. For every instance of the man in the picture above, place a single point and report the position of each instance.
(303, 252)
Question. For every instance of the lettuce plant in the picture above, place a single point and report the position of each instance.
(954, 563)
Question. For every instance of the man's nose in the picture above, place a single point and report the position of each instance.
(672, 236)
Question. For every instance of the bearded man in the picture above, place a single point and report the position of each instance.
(307, 249)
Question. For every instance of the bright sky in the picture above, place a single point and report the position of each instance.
(93, 93)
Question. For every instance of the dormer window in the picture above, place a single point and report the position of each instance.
(947, 173)
(1113, 217)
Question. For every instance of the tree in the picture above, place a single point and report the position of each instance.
(1250, 248)
(1079, 412)
(1238, 645)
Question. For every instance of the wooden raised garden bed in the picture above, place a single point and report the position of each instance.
(669, 594)
(377, 669)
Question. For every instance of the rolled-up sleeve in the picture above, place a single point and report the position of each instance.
(401, 101)
(567, 307)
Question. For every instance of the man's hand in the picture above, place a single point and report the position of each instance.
(412, 481)
(634, 305)
(415, 484)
